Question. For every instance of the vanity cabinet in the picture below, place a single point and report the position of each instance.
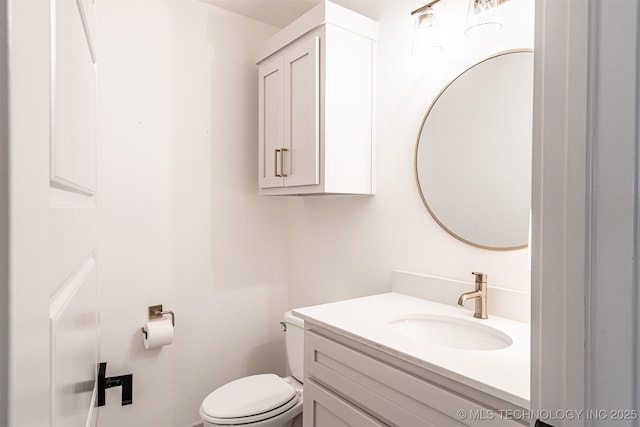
(316, 105)
(348, 383)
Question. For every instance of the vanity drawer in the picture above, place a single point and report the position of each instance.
(390, 394)
(324, 409)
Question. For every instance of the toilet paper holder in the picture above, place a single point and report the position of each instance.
(156, 312)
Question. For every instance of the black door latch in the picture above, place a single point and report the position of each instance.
(126, 381)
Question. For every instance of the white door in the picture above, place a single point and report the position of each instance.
(270, 123)
(301, 113)
(53, 332)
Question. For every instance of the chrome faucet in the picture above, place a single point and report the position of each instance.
(480, 295)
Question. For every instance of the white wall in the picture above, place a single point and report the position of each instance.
(181, 221)
(346, 247)
(230, 254)
(4, 216)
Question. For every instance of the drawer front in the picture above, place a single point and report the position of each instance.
(324, 409)
(390, 394)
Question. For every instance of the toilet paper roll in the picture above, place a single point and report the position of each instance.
(159, 333)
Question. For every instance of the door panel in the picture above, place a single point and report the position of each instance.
(73, 149)
(301, 109)
(74, 347)
(270, 123)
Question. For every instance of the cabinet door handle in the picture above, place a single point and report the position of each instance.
(275, 159)
(282, 151)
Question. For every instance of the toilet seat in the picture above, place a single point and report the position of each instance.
(249, 400)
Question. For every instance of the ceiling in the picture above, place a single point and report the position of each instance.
(280, 13)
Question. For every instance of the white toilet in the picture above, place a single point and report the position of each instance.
(265, 400)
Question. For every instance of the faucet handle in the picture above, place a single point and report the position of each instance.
(480, 277)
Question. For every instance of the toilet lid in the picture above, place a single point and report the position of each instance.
(249, 399)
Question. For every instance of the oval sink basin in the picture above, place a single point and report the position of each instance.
(450, 332)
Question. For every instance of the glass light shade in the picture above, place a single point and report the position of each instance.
(426, 38)
(482, 18)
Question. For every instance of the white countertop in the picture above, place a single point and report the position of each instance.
(503, 373)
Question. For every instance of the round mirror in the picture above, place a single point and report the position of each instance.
(473, 154)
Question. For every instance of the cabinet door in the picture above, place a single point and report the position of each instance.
(302, 113)
(324, 409)
(271, 123)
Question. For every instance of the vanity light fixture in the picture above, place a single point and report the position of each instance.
(426, 37)
(483, 18)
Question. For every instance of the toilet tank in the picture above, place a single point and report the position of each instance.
(294, 341)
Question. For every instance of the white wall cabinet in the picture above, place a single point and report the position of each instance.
(348, 383)
(316, 105)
